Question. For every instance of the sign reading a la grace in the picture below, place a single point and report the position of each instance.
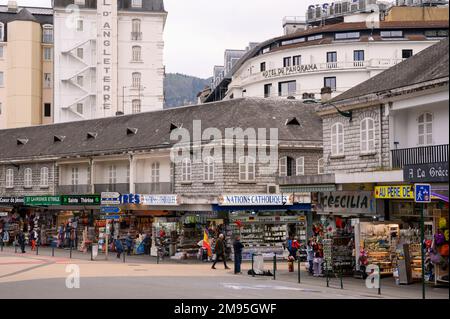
(434, 172)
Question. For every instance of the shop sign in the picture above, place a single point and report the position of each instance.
(110, 198)
(81, 200)
(422, 193)
(268, 219)
(394, 192)
(256, 200)
(3, 214)
(11, 200)
(159, 200)
(42, 200)
(110, 210)
(110, 217)
(347, 202)
(434, 172)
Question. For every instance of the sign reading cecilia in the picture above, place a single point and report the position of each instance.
(348, 202)
(107, 15)
(290, 70)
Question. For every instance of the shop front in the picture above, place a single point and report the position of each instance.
(10, 218)
(265, 222)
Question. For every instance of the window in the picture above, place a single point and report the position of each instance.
(136, 33)
(47, 110)
(47, 80)
(358, 55)
(287, 88)
(47, 34)
(136, 3)
(112, 174)
(137, 53)
(425, 122)
(267, 90)
(136, 80)
(44, 177)
(80, 2)
(28, 178)
(0, 108)
(367, 135)
(80, 80)
(208, 169)
(1, 51)
(47, 54)
(265, 50)
(320, 167)
(88, 173)
(155, 172)
(186, 170)
(330, 82)
(75, 179)
(80, 25)
(346, 35)
(436, 33)
(293, 41)
(300, 166)
(286, 166)
(391, 34)
(287, 62)
(406, 54)
(315, 37)
(247, 169)
(331, 59)
(136, 106)
(80, 53)
(9, 178)
(2, 32)
(2, 83)
(80, 108)
(337, 139)
(297, 60)
(263, 66)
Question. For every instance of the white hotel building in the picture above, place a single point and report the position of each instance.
(336, 50)
(109, 58)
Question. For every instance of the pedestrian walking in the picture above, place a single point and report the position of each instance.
(119, 247)
(32, 239)
(310, 256)
(129, 243)
(220, 252)
(238, 247)
(21, 241)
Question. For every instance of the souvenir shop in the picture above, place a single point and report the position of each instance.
(266, 222)
(12, 216)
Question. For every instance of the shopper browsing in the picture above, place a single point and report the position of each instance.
(237, 246)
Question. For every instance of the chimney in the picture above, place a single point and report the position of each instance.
(12, 6)
(325, 93)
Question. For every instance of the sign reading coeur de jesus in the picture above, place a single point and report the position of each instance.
(256, 200)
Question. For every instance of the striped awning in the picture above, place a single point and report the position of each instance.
(308, 188)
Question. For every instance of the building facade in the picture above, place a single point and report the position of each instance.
(109, 58)
(26, 66)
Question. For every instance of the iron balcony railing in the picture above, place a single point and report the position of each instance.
(74, 189)
(122, 188)
(419, 155)
(154, 188)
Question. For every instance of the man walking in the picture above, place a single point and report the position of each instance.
(220, 252)
(237, 246)
(21, 241)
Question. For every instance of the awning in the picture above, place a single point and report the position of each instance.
(440, 191)
(308, 188)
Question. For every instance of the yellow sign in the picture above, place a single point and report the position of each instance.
(394, 192)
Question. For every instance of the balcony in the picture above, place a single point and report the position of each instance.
(136, 36)
(119, 188)
(419, 155)
(153, 188)
(74, 190)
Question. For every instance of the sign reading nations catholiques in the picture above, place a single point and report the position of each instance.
(256, 200)
(347, 202)
(434, 172)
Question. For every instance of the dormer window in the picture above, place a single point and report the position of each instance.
(136, 3)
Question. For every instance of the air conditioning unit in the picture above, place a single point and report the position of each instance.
(273, 189)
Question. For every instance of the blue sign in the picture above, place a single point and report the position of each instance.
(131, 199)
(114, 217)
(422, 193)
(110, 210)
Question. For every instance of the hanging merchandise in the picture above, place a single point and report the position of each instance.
(442, 223)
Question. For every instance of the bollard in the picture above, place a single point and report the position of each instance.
(299, 266)
(71, 250)
(253, 262)
(326, 273)
(53, 251)
(157, 258)
(124, 256)
(379, 286)
(15, 248)
(342, 283)
(37, 250)
(92, 252)
(274, 266)
(2, 244)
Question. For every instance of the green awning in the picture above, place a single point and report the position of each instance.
(308, 188)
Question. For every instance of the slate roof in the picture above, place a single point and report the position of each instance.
(42, 15)
(25, 15)
(147, 5)
(427, 65)
(154, 128)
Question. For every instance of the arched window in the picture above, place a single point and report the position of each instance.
(337, 139)
(186, 170)
(44, 177)
(367, 130)
(136, 80)
(28, 178)
(425, 122)
(208, 169)
(136, 106)
(300, 166)
(9, 178)
(247, 169)
(320, 167)
(286, 166)
(136, 33)
(137, 57)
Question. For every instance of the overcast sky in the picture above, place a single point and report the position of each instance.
(198, 31)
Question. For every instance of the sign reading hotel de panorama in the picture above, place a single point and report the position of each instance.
(434, 172)
(290, 70)
(347, 202)
(256, 200)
